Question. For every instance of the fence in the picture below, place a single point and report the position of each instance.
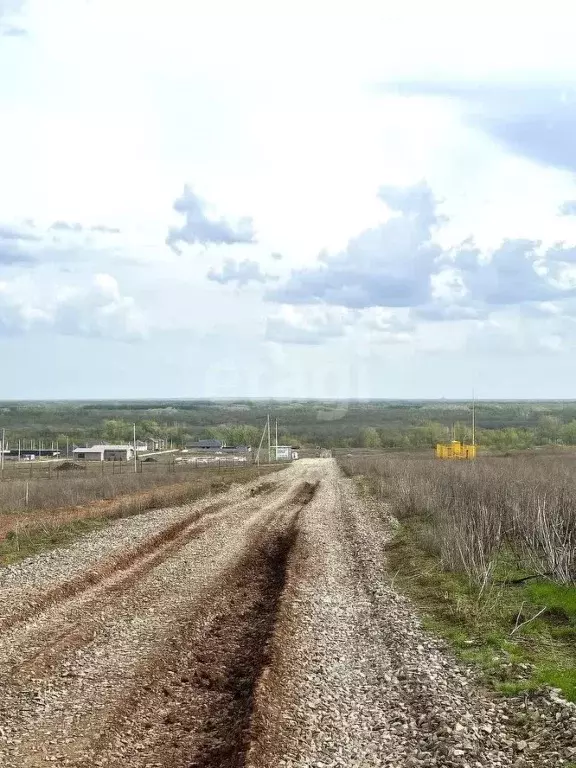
(63, 470)
(153, 484)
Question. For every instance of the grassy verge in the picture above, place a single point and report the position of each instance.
(31, 537)
(486, 627)
(471, 538)
(20, 545)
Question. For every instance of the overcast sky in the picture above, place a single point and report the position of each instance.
(331, 200)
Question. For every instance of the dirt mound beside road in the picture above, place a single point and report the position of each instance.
(68, 466)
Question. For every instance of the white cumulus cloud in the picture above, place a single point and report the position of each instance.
(96, 308)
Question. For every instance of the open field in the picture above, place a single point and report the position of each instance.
(44, 513)
(256, 628)
(488, 550)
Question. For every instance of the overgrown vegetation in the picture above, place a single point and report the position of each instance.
(488, 550)
(49, 527)
(158, 483)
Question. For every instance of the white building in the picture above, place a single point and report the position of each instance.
(105, 453)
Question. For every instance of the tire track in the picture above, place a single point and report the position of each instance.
(125, 561)
(75, 612)
(195, 710)
(115, 566)
(68, 668)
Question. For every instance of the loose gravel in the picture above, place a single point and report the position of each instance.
(100, 641)
(22, 582)
(355, 681)
(268, 634)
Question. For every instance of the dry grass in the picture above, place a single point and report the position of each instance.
(71, 489)
(487, 549)
(473, 512)
(73, 505)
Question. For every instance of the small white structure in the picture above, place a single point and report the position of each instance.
(283, 452)
(105, 453)
(157, 444)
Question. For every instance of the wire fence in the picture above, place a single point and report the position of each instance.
(69, 469)
(145, 486)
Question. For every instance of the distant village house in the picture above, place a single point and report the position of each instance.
(105, 453)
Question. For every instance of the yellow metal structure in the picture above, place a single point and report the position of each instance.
(455, 450)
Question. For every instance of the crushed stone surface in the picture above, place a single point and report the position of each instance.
(267, 632)
(356, 681)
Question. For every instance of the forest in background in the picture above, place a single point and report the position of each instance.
(399, 424)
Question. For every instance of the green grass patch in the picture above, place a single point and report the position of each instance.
(18, 546)
(557, 597)
(487, 629)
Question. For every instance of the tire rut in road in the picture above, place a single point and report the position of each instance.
(196, 710)
(81, 601)
(73, 612)
(157, 546)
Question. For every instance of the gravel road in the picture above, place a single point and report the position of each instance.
(255, 629)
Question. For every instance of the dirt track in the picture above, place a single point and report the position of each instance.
(254, 629)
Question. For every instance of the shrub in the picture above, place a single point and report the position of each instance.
(473, 512)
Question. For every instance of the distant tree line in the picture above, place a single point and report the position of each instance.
(366, 424)
(549, 431)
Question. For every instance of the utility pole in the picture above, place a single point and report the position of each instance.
(260, 446)
(135, 456)
(473, 418)
(276, 454)
(2, 459)
(19, 448)
(269, 441)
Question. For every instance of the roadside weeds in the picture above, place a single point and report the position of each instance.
(27, 535)
(520, 635)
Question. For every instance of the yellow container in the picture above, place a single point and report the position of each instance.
(455, 450)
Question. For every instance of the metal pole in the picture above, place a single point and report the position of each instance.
(135, 457)
(2, 459)
(19, 448)
(257, 460)
(269, 442)
(473, 419)
(276, 455)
